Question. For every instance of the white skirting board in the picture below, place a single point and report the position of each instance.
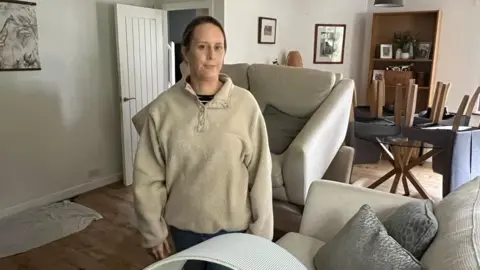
(61, 195)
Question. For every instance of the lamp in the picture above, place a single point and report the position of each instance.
(388, 3)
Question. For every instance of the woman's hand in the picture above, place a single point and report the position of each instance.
(161, 251)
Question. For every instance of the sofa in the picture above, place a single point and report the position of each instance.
(330, 205)
(306, 112)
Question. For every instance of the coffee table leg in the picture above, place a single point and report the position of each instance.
(405, 185)
(398, 159)
(391, 173)
(382, 179)
(415, 163)
(417, 185)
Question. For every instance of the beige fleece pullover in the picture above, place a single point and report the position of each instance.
(203, 168)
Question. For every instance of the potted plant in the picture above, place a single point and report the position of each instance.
(405, 43)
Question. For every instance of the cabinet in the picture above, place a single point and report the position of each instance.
(425, 27)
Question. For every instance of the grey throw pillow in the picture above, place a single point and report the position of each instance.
(282, 128)
(413, 226)
(363, 243)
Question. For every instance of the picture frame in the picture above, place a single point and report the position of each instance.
(378, 75)
(386, 51)
(19, 36)
(424, 50)
(267, 30)
(329, 43)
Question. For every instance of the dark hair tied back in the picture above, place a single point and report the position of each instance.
(190, 29)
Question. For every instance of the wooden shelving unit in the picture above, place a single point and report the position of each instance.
(426, 25)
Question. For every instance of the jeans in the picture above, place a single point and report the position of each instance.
(186, 239)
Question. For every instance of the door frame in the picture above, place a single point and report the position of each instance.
(216, 8)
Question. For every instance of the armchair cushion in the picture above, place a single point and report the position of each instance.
(282, 128)
(413, 226)
(277, 177)
(364, 244)
(296, 91)
(238, 74)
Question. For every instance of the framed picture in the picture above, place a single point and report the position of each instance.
(424, 50)
(378, 75)
(267, 30)
(386, 51)
(329, 43)
(18, 36)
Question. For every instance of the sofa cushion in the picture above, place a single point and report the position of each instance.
(295, 91)
(238, 74)
(278, 187)
(414, 226)
(302, 247)
(363, 243)
(282, 128)
(457, 243)
(277, 176)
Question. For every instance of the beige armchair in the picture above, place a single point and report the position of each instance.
(307, 113)
(290, 97)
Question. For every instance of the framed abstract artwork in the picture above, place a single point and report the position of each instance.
(18, 36)
(329, 43)
(267, 30)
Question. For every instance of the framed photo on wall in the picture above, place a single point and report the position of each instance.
(18, 36)
(267, 30)
(329, 43)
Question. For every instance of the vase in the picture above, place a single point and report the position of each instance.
(294, 59)
(421, 78)
(410, 50)
(405, 55)
(398, 54)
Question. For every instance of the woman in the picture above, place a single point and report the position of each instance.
(203, 165)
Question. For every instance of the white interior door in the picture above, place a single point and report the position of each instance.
(143, 69)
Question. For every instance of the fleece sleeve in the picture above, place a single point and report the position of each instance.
(260, 173)
(149, 189)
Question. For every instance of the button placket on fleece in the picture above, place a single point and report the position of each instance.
(220, 101)
(202, 121)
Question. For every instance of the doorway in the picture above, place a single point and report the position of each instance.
(147, 62)
(177, 21)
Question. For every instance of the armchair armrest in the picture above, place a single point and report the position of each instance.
(311, 152)
(330, 205)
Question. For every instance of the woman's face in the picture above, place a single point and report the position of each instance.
(206, 53)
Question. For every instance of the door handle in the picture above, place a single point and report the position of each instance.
(125, 99)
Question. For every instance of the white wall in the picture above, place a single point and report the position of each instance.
(241, 27)
(458, 52)
(62, 122)
(351, 13)
(295, 30)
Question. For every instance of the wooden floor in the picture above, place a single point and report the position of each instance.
(365, 175)
(113, 243)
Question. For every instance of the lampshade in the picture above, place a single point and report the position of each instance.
(388, 3)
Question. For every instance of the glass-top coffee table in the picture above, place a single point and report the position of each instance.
(404, 154)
